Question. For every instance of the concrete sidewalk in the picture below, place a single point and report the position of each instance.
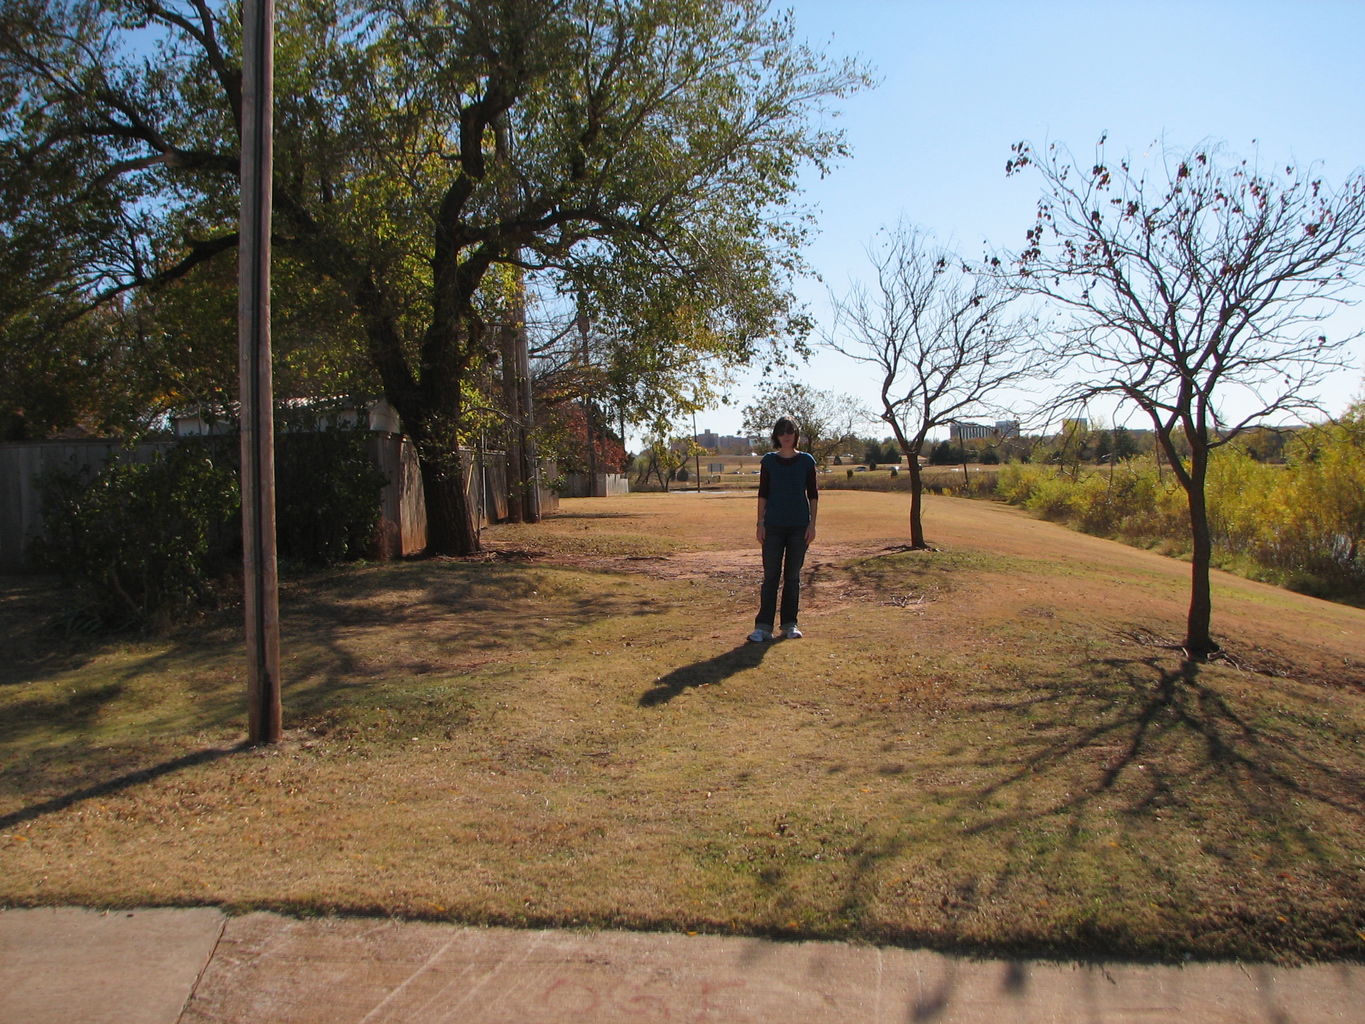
(73, 966)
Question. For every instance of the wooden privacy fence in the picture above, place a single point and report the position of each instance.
(603, 485)
(403, 521)
(403, 515)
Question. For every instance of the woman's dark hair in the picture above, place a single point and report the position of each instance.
(784, 425)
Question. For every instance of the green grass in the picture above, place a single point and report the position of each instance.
(968, 752)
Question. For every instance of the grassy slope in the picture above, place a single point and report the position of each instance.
(987, 747)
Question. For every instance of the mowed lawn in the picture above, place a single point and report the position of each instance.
(991, 747)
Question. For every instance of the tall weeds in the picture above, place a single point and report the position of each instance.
(1299, 525)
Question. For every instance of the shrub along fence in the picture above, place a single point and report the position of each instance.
(22, 463)
(400, 528)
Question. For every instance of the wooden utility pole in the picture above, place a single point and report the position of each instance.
(530, 460)
(583, 326)
(260, 578)
(511, 400)
(523, 473)
(696, 451)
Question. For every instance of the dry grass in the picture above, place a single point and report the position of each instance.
(988, 747)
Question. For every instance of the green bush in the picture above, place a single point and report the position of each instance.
(148, 544)
(1051, 498)
(143, 543)
(326, 496)
(1128, 501)
(1015, 482)
(1091, 503)
(1146, 507)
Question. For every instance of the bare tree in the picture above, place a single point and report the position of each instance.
(945, 337)
(1194, 292)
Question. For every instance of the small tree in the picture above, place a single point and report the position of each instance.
(1122, 445)
(1182, 292)
(660, 460)
(827, 421)
(944, 454)
(943, 335)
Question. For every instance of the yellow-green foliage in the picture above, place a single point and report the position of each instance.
(1014, 482)
(1050, 497)
(1129, 500)
(1249, 513)
(1328, 469)
(1300, 523)
(1303, 521)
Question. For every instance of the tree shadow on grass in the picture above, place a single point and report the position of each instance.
(597, 515)
(347, 636)
(118, 784)
(704, 673)
(1140, 711)
(1124, 783)
(37, 620)
(373, 650)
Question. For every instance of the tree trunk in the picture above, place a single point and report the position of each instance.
(451, 529)
(916, 504)
(1198, 640)
(426, 408)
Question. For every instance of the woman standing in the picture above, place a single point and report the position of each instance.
(787, 499)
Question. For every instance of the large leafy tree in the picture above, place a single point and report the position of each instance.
(1196, 291)
(652, 366)
(427, 152)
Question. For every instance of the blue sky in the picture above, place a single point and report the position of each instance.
(962, 81)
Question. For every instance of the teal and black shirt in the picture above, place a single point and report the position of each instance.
(789, 487)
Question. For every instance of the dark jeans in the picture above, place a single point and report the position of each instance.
(784, 551)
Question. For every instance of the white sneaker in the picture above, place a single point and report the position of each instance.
(760, 636)
(792, 633)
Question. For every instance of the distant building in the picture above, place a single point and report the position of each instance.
(723, 444)
(960, 431)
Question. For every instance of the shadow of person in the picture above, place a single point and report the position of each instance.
(702, 673)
